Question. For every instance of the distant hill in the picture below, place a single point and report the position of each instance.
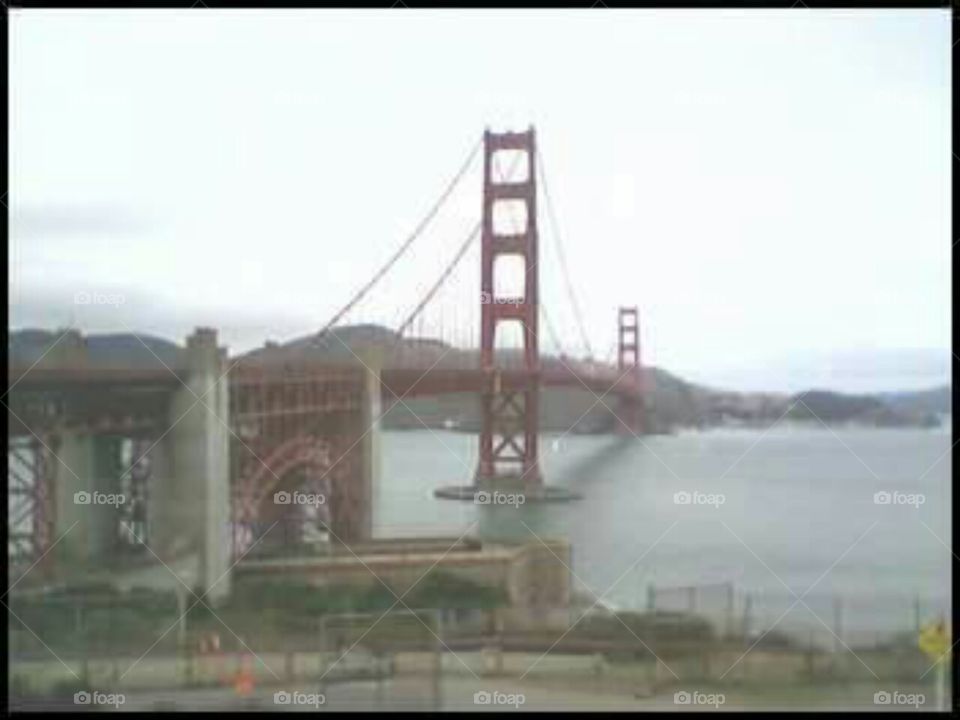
(25, 347)
(937, 400)
(673, 402)
(832, 407)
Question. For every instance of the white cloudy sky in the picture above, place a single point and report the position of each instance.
(771, 188)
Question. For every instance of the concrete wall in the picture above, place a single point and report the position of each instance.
(534, 579)
(541, 578)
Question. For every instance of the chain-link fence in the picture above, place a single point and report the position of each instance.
(814, 620)
(716, 632)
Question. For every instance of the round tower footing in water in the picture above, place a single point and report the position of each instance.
(506, 490)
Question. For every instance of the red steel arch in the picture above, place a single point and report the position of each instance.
(309, 453)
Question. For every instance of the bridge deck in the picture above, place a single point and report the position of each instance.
(409, 382)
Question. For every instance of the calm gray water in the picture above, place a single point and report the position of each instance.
(798, 511)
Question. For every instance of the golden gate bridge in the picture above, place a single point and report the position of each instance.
(293, 420)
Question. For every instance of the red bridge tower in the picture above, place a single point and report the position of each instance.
(509, 415)
(629, 367)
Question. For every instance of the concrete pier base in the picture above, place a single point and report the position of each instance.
(191, 496)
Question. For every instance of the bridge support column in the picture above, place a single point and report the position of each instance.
(31, 474)
(85, 484)
(190, 496)
(84, 495)
(356, 523)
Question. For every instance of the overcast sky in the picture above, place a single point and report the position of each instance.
(770, 188)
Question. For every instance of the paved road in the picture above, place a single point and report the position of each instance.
(555, 683)
(507, 695)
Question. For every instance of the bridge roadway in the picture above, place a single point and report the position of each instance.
(399, 381)
(413, 382)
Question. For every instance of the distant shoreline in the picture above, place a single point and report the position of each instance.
(811, 424)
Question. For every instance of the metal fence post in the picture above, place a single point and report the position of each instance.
(378, 690)
(837, 622)
(747, 608)
(324, 660)
(84, 644)
(438, 664)
(729, 630)
(183, 650)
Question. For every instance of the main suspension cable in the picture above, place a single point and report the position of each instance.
(563, 259)
(443, 277)
(504, 177)
(551, 330)
(407, 243)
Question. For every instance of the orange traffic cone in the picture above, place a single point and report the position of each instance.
(243, 682)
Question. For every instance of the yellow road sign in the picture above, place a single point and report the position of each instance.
(934, 639)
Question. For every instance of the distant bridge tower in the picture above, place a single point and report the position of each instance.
(509, 411)
(631, 409)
